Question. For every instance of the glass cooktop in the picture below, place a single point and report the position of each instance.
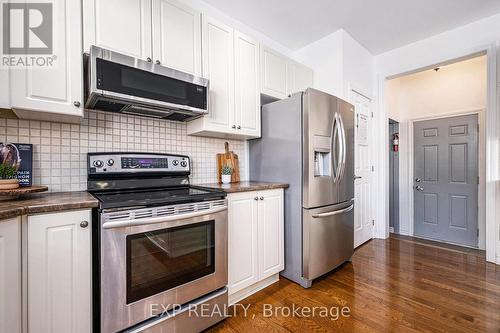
(156, 197)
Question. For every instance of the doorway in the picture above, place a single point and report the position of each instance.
(446, 101)
(393, 176)
(445, 172)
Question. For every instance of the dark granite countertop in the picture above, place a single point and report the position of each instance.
(46, 203)
(245, 186)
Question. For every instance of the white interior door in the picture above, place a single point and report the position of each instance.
(363, 220)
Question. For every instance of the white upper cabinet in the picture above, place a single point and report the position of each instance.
(274, 73)
(177, 36)
(10, 275)
(300, 77)
(247, 85)
(218, 67)
(231, 63)
(123, 26)
(57, 90)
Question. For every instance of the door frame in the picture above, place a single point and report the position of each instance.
(409, 159)
(353, 88)
(492, 155)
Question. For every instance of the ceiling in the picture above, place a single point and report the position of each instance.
(379, 25)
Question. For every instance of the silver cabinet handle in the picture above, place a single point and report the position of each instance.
(238, 127)
(148, 59)
(357, 177)
(261, 198)
(335, 212)
(158, 62)
(77, 104)
(84, 224)
(418, 180)
(256, 198)
(419, 188)
(234, 126)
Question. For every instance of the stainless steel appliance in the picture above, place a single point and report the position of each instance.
(308, 142)
(120, 83)
(159, 244)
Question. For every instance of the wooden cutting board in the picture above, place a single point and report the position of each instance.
(231, 159)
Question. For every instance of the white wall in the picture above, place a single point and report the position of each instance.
(339, 62)
(455, 88)
(325, 57)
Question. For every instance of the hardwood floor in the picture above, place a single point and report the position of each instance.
(396, 285)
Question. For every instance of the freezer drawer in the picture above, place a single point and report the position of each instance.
(328, 239)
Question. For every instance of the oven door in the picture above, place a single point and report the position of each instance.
(158, 263)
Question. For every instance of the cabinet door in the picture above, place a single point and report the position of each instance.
(119, 25)
(57, 89)
(274, 73)
(271, 233)
(10, 275)
(177, 36)
(242, 240)
(218, 67)
(59, 273)
(300, 77)
(247, 84)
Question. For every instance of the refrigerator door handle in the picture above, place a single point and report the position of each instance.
(336, 140)
(335, 212)
(344, 148)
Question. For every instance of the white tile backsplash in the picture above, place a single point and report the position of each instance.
(60, 149)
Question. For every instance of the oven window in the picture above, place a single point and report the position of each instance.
(160, 260)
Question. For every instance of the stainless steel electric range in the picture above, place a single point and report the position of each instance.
(159, 245)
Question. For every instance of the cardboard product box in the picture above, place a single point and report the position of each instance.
(24, 154)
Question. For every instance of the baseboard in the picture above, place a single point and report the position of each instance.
(250, 290)
(498, 260)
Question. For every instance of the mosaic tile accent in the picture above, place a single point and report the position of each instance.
(60, 149)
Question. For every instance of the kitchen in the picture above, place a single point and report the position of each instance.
(159, 165)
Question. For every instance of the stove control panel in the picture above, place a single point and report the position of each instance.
(103, 163)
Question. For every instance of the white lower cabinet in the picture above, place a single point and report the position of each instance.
(256, 241)
(10, 275)
(59, 272)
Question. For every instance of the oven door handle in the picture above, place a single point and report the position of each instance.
(160, 219)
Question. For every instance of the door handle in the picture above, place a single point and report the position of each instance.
(419, 188)
(335, 212)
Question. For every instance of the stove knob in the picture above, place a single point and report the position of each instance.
(111, 162)
(98, 163)
(184, 164)
(175, 163)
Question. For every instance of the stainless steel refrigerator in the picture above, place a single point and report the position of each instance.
(308, 142)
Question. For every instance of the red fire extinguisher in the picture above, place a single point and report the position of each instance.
(395, 142)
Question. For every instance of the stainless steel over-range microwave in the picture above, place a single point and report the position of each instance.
(120, 83)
